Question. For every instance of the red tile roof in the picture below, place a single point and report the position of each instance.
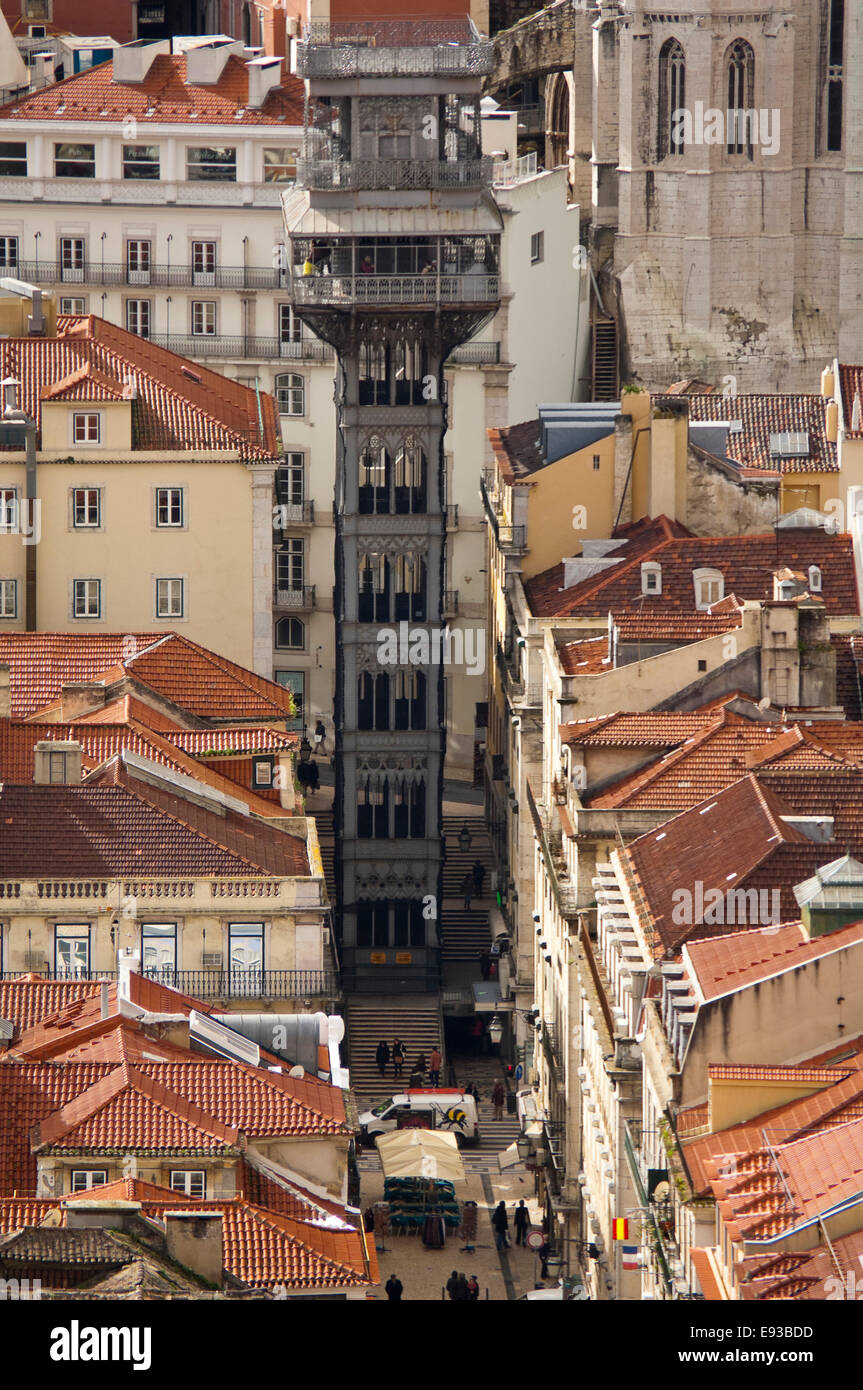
(133, 827)
(27, 1001)
(170, 410)
(584, 658)
(163, 95)
(200, 742)
(201, 683)
(747, 564)
(674, 627)
(850, 385)
(763, 415)
(723, 964)
(654, 729)
(516, 450)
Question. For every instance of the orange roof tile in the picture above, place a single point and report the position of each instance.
(723, 964)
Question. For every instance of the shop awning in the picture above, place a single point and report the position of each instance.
(421, 1153)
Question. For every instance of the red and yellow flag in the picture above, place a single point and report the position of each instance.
(620, 1228)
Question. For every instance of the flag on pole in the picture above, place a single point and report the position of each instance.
(620, 1228)
(630, 1257)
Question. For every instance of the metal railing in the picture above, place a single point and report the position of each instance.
(215, 984)
(346, 290)
(158, 276)
(511, 539)
(507, 172)
(293, 513)
(303, 596)
(392, 48)
(241, 345)
(476, 354)
(359, 174)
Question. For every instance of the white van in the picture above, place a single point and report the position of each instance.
(433, 1109)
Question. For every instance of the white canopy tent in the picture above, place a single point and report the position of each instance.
(421, 1153)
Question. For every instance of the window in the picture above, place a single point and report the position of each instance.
(72, 258)
(78, 305)
(246, 945)
(139, 315)
(596, 462)
(537, 247)
(138, 261)
(709, 587)
(13, 158)
(85, 1178)
(814, 579)
(741, 90)
(211, 163)
(57, 769)
(169, 598)
(158, 946)
(262, 772)
(8, 253)
(38, 9)
(835, 73)
(71, 950)
(672, 98)
(86, 507)
(86, 427)
(291, 563)
(203, 318)
(204, 262)
(651, 578)
(290, 328)
(74, 161)
(291, 394)
(86, 598)
(291, 488)
(192, 1181)
(140, 161)
(8, 509)
(8, 598)
(291, 634)
(295, 681)
(169, 506)
(280, 166)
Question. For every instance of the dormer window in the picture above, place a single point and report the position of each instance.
(651, 577)
(814, 579)
(709, 588)
(86, 427)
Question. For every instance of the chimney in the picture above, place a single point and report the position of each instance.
(10, 386)
(206, 61)
(80, 697)
(5, 691)
(275, 31)
(195, 1240)
(132, 61)
(264, 75)
(104, 1008)
(828, 382)
(42, 71)
(127, 962)
(57, 763)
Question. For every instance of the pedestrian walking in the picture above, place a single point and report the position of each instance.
(462, 1292)
(398, 1057)
(314, 776)
(478, 872)
(498, 1096)
(521, 1221)
(421, 1067)
(467, 890)
(473, 1287)
(451, 1283)
(394, 1288)
(500, 1226)
(544, 1251)
(320, 737)
(382, 1057)
(435, 1064)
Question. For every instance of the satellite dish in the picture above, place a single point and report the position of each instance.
(662, 1192)
(297, 1072)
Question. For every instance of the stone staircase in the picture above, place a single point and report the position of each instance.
(495, 1135)
(457, 862)
(416, 1019)
(326, 840)
(465, 935)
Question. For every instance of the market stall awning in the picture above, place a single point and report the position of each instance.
(421, 1153)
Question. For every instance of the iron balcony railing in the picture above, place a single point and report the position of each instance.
(393, 48)
(98, 272)
(343, 291)
(361, 174)
(293, 514)
(217, 984)
(507, 172)
(301, 596)
(476, 354)
(242, 345)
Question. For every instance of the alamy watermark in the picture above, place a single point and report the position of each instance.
(734, 907)
(432, 646)
(740, 128)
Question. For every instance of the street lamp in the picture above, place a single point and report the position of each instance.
(464, 839)
(495, 1032)
(522, 1144)
(305, 747)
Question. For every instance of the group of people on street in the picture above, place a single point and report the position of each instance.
(462, 1289)
(398, 1054)
(500, 1224)
(472, 884)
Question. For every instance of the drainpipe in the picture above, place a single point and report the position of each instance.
(32, 515)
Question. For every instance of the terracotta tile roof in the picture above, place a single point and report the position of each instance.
(113, 1039)
(803, 1274)
(516, 450)
(198, 742)
(734, 841)
(53, 1245)
(849, 672)
(177, 405)
(584, 658)
(127, 708)
(27, 1001)
(163, 95)
(763, 415)
(662, 729)
(134, 828)
(850, 385)
(200, 682)
(674, 627)
(708, 1277)
(723, 964)
(747, 564)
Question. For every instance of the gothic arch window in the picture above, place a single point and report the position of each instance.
(558, 126)
(740, 86)
(672, 98)
(835, 74)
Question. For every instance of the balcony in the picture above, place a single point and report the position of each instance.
(301, 596)
(199, 345)
(393, 48)
(345, 291)
(367, 174)
(475, 355)
(512, 540)
(218, 984)
(293, 514)
(226, 277)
